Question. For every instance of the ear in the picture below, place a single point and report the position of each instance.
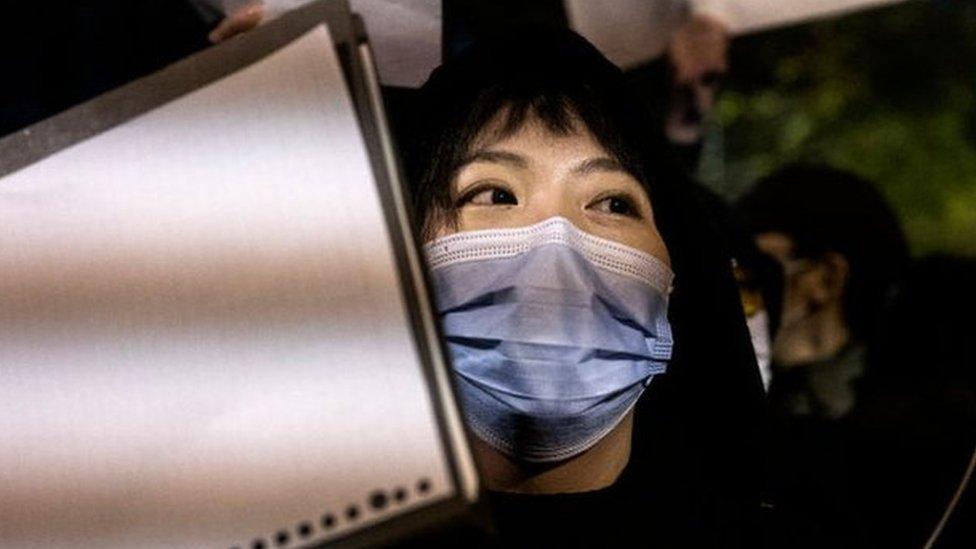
(826, 283)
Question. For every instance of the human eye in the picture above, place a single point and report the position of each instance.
(616, 204)
(487, 195)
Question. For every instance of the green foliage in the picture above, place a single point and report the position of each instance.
(888, 94)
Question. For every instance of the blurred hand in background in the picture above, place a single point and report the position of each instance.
(240, 20)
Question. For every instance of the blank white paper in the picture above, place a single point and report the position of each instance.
(750, 16)
(202, 337)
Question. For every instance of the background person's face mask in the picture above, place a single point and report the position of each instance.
(554, 333)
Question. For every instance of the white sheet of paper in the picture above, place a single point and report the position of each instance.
(631, 32)
(628, 32)
(202, 339)
(405, 34)
(750, 16)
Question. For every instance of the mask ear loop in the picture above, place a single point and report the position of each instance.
(952, 502)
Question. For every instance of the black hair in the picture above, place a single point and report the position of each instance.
(550, 74)
(824, 209)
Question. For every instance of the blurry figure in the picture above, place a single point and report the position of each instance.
(675, 52)
(698, 55)
(699, 48)
(841, 250)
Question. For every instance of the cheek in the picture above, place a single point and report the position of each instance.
(476, 219)
(653, 243)
(473, 219)
(640, 235)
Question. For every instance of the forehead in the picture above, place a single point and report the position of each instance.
(775, 244)
(538, 140)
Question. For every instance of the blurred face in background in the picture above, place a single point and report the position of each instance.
(811, 324)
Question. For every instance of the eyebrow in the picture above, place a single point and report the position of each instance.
(596, 165)
(497, 157)
(586, 167)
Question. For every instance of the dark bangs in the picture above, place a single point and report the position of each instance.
(502, 86)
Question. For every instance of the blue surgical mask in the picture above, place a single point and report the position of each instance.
(554, 333)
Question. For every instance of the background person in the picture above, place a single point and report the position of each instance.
(842, 254)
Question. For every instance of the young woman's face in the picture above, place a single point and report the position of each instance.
(534, 174)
